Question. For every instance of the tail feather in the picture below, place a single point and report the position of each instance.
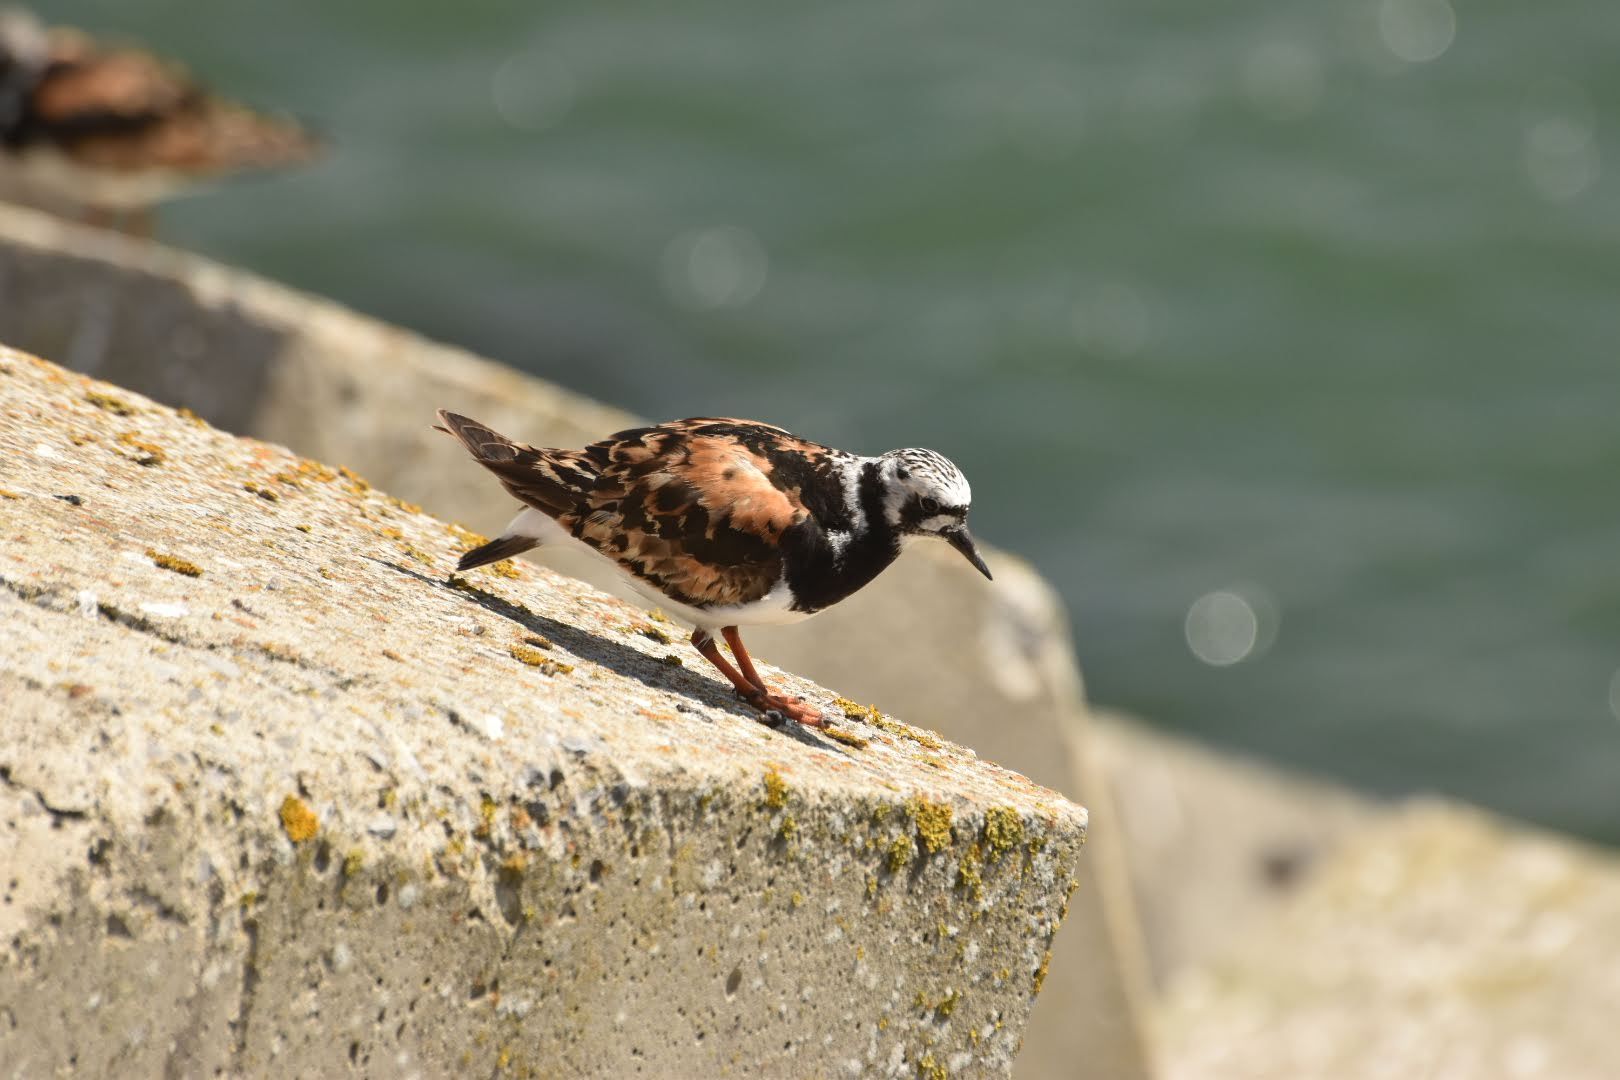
(502, 547)
(555, 481)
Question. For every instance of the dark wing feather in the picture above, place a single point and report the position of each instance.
(693, 509)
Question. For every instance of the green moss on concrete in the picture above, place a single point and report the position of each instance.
(933, 822)
(900, 853)
(1003, 830)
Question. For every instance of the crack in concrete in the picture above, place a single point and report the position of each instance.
(57, 813)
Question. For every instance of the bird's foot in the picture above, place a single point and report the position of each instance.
(795, 709)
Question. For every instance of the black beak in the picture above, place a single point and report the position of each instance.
(959, 539)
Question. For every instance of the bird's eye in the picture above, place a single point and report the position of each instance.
(930, 505)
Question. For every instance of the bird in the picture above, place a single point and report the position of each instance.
(108, 131)
(725, 523)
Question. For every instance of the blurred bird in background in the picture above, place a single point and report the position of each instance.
(106, 131)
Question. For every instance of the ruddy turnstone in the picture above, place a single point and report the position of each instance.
(726, 523)
(108, 131)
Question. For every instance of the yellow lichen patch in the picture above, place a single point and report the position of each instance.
(302, 528)
(262, 492)
(968, 874)
(1040, 972)
(671, 660)
(515, 864)
(776, 789)
(797, 899)
(116, 406)
(840, 735)
(298, 820)
(4, 494)
(466, 535)
(276, 651)
(401, 504)
(933, 821)
(528, 654)
(789, 829)
(187, 414)
(900, 853)
(145, 453)
(303, 471)
(947, 1004)
(920, 736)
(170, 562)
(353, 863)
(417, 553)
(856, 711)
(391, 533)
(538, 642)
(1003, 830)
(929, 1069)
(871, 714)
(357, 483)
(653, 632)
(506, 568)
(486, 818)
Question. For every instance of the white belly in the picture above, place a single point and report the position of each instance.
(52, 177)
(773, 609)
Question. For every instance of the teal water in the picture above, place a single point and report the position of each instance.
(1309, 312)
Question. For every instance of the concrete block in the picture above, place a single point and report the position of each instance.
(276, 798)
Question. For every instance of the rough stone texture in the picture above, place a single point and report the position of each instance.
(279, 799)
(990, 666)
(1438, 943)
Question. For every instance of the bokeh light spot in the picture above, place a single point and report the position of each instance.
(1230, 625)
(531, 92)
(1560, 145)
(1417, 31)
(724, 266)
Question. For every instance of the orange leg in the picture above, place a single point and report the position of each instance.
(748, 683)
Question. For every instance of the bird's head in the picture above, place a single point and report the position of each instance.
(925, 495)
(25, 50)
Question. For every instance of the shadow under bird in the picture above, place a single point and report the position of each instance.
(107, 131)
(726, 523)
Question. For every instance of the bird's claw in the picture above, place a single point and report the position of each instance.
(785, 708)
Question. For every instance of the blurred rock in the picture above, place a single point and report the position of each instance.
(1214, 844)
(1439, 942)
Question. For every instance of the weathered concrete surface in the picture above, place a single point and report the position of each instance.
(278, 799)
(266, 361)
(1439, 943)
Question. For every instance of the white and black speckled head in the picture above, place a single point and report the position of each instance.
(926, 495)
